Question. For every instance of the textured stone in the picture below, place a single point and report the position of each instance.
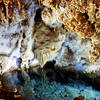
(16, 39)
(81, 16)
(27, 41)
(6, 93)
(48, 42)
(7, 8)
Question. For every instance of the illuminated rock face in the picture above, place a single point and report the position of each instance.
(48, 42)
(25, 40)
(80, 16)
(73, 54)
(16, 38)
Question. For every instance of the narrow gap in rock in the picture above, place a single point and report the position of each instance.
(38, 15)
(49, 64)
(9, 20)
(86, 16)
(97, 10)
(24, 36)
(93, 26)
(24, 22)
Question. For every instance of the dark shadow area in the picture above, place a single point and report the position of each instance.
(69, 75)
(38, 15)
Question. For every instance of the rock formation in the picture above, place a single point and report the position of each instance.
(28, 35)
(48, 42)
(81, 16)
(24, 38)
(7, 8)
(33, 32)
(16, 37)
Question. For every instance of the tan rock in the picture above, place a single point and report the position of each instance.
(7, 7)
(48, 41)
(80, 16)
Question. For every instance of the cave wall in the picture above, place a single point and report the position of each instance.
(36, 31)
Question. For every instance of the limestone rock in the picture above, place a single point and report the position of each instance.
(16, 38)
(81, 16)
(7, 8)
(26, 41)
(48, 42)
(73, 54)
(29, 41)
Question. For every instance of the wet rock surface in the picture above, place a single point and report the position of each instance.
(10, 83)
(68, 75)
(64, 83)
(40, 88)
(27, 41)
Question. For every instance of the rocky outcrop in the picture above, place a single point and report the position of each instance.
(6, 93)
(36, 37)
(48, 42)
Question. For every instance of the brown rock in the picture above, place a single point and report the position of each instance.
(8, 94)
(80, 16)
(0, 1)
(7, 9)
(79, 98)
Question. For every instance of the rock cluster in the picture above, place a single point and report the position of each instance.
(80, 16)
(48, 42)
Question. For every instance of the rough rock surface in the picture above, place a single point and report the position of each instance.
(24, 37)
(27, 38)
(80, 16)
(48, 41)
(7, 10)
(8, 94)
(16, 38)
